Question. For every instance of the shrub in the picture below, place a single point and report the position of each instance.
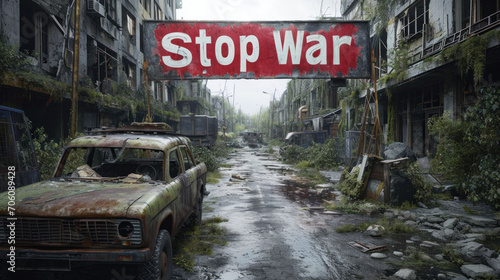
(322, 156)
(469, 148)
(210, 156)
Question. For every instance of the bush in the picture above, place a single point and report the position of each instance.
(322, 156)
(469, 148)
(210, 156)
(349, 184)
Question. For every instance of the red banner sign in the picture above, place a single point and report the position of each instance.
(189, 50)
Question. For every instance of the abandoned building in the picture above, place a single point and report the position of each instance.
(421, 69)
(111, 63)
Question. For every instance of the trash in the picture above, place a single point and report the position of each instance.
(235, 176)
(331, 213)
(367, 248)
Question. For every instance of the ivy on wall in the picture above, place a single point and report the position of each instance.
(470, 55)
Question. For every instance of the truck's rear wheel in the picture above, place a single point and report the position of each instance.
(159, 267)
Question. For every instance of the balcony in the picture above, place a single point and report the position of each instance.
(479, 27)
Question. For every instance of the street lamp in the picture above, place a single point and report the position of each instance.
(271, 113)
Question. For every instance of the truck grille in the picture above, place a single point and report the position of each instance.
(81, 231)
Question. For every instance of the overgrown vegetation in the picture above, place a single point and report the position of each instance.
(322, 156)
(470, 55)
(390, 226)
(311, 160)
(469, 148)
(423, 189)
(211, 156)
(47, 152)
(198, 241)
(349, 185)
(17, 69)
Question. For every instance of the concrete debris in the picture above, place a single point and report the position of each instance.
(399, 150)
(477, 270)
(406, 273)
(452, 227)
(378, 256)
(375, 230)
(398, 253)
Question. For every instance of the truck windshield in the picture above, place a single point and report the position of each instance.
(115, 162)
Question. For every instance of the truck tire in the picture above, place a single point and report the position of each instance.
(159, 267)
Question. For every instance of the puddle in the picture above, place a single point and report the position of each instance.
(307, 194)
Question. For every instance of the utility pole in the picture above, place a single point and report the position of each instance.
(232, 118)
(271, 113)
(76, 61)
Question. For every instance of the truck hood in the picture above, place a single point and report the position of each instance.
(80, 199)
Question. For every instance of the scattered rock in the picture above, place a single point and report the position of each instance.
(434, 219)
(439, 257)
(398, 150)
(378, 256)
(494, 263)
(406, 273)
(398, 253)
(375, 230)
(450, 223)
(324, 186)
(481, 221)
(368, 208)
(472, 251)
(476, 270)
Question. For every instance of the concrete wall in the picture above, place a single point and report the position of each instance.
(10, 20)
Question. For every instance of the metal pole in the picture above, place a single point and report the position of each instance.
(76, 62)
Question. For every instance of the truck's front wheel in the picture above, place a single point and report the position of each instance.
(159, 267)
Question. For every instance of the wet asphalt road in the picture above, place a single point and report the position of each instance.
(272, 235)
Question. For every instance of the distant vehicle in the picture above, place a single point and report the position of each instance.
(117, 196)
(18, 159)
(252, 138)
(201, 129)
(306, 138)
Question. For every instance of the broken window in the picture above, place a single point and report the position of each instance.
(34, 31)
(147, 6)
(186, 158)
(129, 70)
(158, 13)
(129, 29)
(174, 164)
(104, 65)
(414, 19)
(485, 13)
(111, 162)
(111, 12)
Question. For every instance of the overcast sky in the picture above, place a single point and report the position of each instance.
(249, 94)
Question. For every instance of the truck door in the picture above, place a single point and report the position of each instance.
(189, 175)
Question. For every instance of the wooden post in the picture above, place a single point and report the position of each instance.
(387, 183)
(149, 118)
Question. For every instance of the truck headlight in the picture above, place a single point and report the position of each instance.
(125, 229)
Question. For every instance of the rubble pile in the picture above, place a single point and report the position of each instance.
(454, 229)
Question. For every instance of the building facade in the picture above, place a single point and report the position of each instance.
(431, 58)
(111, 62)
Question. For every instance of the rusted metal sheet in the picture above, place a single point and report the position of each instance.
(255, 50)
(367, 247)
(67, 198)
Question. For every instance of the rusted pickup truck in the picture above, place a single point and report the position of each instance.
(117, 196)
